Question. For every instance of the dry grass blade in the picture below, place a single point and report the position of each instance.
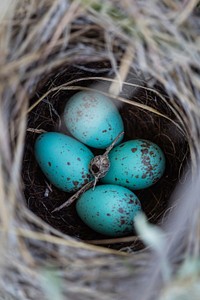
(59, 241)
(134, 103)
(113, 241)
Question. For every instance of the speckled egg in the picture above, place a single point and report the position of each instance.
(135, 164)
(109, 209)
(64, 160)
(93, 119)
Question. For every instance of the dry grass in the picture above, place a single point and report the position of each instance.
(159, 41)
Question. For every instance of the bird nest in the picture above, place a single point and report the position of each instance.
(147, 114)
(146, 59)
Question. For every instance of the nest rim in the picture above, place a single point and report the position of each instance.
(151, 118)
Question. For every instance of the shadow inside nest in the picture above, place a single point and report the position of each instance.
(139, 123)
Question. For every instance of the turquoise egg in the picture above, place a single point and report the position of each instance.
(136, 164)
(109, 209)
(64, 160)
(93, 119)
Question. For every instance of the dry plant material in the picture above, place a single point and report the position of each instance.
(142, 119)
(99, 166)
(48, 50)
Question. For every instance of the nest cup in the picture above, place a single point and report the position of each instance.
(146, 115)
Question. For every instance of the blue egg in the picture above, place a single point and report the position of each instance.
(135, 164)
(93, 119)
(64, 160)
(109, 209)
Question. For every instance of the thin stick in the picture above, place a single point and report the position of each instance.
(75, 196)
(98, 161)
(113, 241)
(113, 143)
(89, 184)
(39, 131)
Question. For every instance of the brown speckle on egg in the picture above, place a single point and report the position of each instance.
(122, 221)
(144, 151)
(131, 201)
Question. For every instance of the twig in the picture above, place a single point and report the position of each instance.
(113, 241)
(113, 143)
(102, 169)
(39, 131)
(100, 164)
(75, 196)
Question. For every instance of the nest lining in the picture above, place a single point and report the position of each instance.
(139, 123)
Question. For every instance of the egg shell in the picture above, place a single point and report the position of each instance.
(109, 209)
(93, 119)
(135, 164)
(64, 160)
